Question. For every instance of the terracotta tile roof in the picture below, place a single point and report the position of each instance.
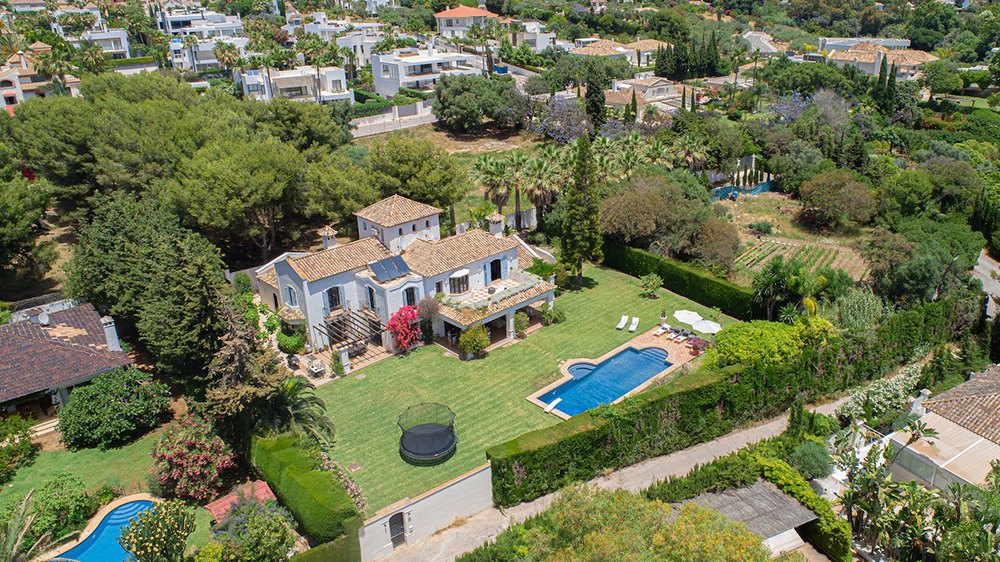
(974, 404)
(259, 489)
(647, 45)
(291, 314)
(70, 350)
(602, 48)
(465, 12)
(868, 46)
(651, 81)
(396, 210)
(434, 258)
(622, 97)
(269, 277)
(336, 260)
(469, 316)
(899, 57)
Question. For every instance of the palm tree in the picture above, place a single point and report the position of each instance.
(657, 153)
(15, 530)
(605, 168)
(92, 57)
(628, 160)
(538, 186)
(691, 150)
(11, 44)
(56, 64)
(515, 164)
(602, 145)
(352, 62)
(190, 41)
(770, 285)
(297, 408)
(226, 53)
(313, 47)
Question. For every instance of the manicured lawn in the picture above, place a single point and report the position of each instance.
(487, 395)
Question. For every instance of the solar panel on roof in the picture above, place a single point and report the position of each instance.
(388, 269)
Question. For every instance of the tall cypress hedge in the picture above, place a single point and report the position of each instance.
(318, 502)
(686, 280)
(664, 420)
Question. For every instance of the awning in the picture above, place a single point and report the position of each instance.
(459, 273)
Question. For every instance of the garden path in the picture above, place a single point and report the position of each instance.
(466, 535)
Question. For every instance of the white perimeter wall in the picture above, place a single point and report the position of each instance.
(462, 497)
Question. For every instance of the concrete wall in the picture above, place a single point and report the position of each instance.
(435, 510)
(527, 220)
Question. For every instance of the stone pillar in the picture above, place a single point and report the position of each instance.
(511, 334)
(549, 299)
(345, 360)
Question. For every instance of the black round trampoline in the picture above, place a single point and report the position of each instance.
(428, 434)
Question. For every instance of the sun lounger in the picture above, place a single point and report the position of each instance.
(624, 321)
(552, 406)
(634, 325)
(661, 330)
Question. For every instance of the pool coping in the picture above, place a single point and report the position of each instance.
(92, 525)
(642, 341)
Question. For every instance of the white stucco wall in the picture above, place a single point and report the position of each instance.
(463, 497)
(398, 237)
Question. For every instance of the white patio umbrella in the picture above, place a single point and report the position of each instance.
(687, 316)
(706, 326)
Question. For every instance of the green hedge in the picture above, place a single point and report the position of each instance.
(133, 60)
(667, 419)
(369, 109)
(686, 280)
(345, 549)
(411, 93)
(829, 533)
(361, 96)
(318, 502)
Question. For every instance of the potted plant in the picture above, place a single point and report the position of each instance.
(473, 342)
(663, 317)
(521, 324)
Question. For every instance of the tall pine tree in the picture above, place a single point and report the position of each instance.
(581, 238)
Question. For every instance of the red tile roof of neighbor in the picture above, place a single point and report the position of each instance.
(465, 12)
(69, 350)
(220, 507)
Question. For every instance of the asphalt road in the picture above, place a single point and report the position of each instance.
(760, 41)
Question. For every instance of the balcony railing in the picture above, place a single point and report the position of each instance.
(517, 282)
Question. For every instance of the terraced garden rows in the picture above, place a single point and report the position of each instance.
(812, 255)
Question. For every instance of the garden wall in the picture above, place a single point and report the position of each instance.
(430, 512)
(664, 420)
(685, 280)
(319, 503)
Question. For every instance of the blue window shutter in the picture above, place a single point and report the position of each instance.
(486, 274)
(504, 273)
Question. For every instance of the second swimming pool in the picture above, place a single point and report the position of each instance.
(609, 380)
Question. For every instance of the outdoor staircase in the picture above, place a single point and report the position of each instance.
(120, 515)
(44, 428)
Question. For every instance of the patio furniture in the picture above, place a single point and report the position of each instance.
(315, 366)
(634, 325)
(548, 409)
(428, 433)
(293, 362)
(622, 323)
(661, 330)
(687, 316)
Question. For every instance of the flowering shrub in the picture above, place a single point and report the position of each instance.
(190, 461)
(882, 396)
(353, 490)
(158, 534)
(405, 327)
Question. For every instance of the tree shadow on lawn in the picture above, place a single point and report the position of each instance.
(573, 287)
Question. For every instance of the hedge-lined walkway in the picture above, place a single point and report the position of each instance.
(485, 526)
(488, 395)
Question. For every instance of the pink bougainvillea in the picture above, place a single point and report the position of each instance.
(405, 327)
(190, 460)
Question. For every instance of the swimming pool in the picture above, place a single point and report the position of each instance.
(609, 380)
(720, 193)
(102, 545)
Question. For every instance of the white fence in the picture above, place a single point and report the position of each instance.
(393, 119)
(437, 509)
(527, 221)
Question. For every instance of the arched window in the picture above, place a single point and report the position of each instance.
(292, 300)
(6, 84)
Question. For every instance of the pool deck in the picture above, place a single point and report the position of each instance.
(678, 354)
(93, 524)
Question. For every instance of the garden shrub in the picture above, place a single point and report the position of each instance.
(16, 448)
(190, 461)
(474, 341)
(552, 315)
(158, 534)
(767, 343)
(812, 460)
(685, 280)
(663, 419)
(520, 323)
(243, 284)
(291, 343)
(62, 506)
(320, 505)
(763, 227)
(347, 548)
(650, 284)
(259, 530)
(114, 409)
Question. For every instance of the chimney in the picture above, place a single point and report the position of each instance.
(329, 236)
(430, 47)
(24, 61)
(110, 333)
(917, 407)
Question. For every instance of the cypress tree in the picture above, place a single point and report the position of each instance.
(890, 91)
(684, 93)
(712, 64)
(878, 89)
(694, 101)
(633, 108)
(594, 105)
(582, 230)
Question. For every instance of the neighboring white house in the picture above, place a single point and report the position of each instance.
(967, 421)
(419, 69)
(638, 53)
(298, 84)
(113, 41)
(346, 294)
(199, 22)
(19, 80)
(373, 6)
(456, 22)
(869, 57)
(533, 34)
(645, 51)
(27, 5)
(845, 43)
(200, 56)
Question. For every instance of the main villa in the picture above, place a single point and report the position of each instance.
(345, 294)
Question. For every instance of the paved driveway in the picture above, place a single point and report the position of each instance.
(987, 270)
(760, 41)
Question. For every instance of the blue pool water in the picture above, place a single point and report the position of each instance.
(593, 385)
(102, 545)
(720, 193)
